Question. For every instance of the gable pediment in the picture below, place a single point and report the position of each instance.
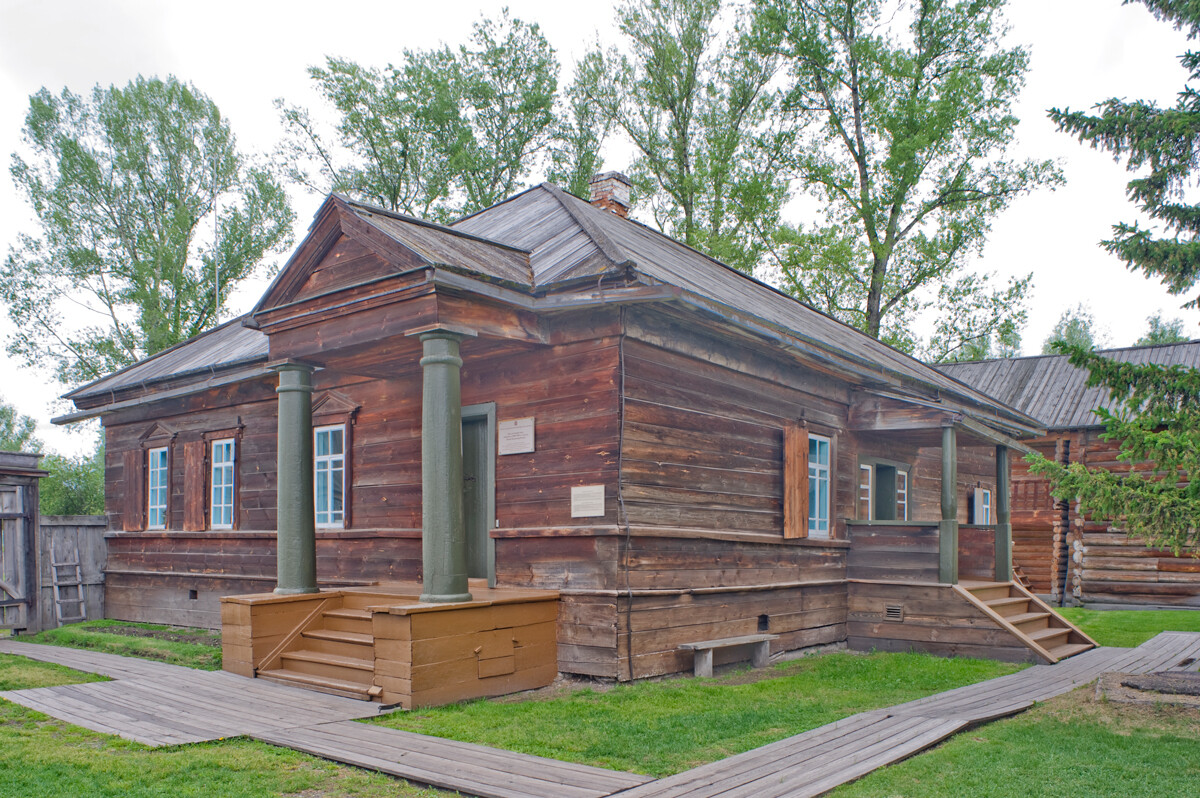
(158, 432)
(340, 250)
(334, 404)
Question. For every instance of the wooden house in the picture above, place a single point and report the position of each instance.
(549, 398)
(1065, 553)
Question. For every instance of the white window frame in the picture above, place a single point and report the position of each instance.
(901, 495)
(983, 509)
(818, 475)
(222, 477)
(869, 472)
(329, 463)
(158, 485)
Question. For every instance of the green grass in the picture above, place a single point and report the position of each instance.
(664, 727)
(198, 648)
(1130, 628)
(40, 756)
(1072, 745)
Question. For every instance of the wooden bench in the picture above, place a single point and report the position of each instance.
(704, 651)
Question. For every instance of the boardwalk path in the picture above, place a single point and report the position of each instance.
(161, 704)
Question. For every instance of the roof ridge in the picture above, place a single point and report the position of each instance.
(610, 249)
(401, 217)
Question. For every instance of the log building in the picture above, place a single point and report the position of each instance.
(1066, 553)
(548, 396)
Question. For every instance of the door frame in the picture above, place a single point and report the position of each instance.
(487, 411)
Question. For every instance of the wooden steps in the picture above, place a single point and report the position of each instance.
(1015, 609)
(334, 653)
(322, 684)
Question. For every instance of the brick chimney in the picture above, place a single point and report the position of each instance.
(610, 191)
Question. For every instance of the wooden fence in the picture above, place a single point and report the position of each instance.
(66, 533)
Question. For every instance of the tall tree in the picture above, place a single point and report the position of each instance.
(1159, 417)
(1075, 328)
(1162, 331)
(444, 132)
(912, 103)
(147, 214)
(711, 135)
(1165, 142)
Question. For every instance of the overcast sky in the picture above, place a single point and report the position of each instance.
(245, 54)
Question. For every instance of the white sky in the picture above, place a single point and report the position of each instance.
(245, 54)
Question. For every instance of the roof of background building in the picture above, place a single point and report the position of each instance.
(1054, 392)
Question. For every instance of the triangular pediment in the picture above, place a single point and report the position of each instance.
(341, 250)
(334, 403)
(158, 431)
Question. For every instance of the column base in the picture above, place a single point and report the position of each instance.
(295, 591)
(443, 598)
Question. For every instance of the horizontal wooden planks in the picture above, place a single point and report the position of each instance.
(465, 767)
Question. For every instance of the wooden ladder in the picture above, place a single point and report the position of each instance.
(66, 576)
(1028, 618)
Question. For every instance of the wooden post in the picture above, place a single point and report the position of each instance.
(443, 531)
(1003, 517)
(948, 527)
(296, 553)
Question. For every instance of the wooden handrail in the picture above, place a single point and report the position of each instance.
(271, 660)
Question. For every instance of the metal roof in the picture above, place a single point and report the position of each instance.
(439, 245)
(544, 237)
(1053, 391)
(220, 348)
(555, 224)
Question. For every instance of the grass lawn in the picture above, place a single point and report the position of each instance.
(40, 756)
(1071, 745)
(664, 727)
(1130, 628)
(193, 648)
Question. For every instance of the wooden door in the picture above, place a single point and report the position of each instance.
(476, 489)
(15, 557)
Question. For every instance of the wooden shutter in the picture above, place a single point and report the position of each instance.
(795, 481)
(134, 510)
(194, 485)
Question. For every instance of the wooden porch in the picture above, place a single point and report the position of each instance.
(899, 602)
(381, 643)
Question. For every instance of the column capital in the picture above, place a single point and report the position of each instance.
(443, 330)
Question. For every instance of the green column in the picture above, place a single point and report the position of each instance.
(297, 538)
(948, 527)
(443, 533)
(1003, 517)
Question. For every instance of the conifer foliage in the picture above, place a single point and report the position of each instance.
(1159, 419)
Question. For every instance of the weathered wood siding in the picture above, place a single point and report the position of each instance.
(893, 551)
(1055, 543)
(1113, 568)
(932, 618)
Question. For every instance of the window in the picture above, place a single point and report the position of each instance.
(329, 475)
(818, 486)
(866, 489)
(882, 492)
(221, 507)
(979, 511)
(158, 481)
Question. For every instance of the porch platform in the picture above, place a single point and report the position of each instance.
(379, 642)
(164, 705)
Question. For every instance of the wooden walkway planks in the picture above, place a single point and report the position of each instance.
(159, 704)
(816, 761)
(465, 767)
(165, 705)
